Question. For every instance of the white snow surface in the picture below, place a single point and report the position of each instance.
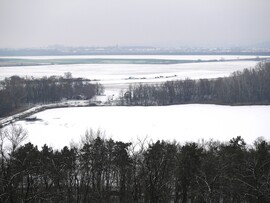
(192, 122)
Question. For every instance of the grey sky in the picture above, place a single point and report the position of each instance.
(33, 23)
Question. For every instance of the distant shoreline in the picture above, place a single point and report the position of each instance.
(7, 62)
(69, 51)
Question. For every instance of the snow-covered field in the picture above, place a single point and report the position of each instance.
(58, 127)
(119, 76)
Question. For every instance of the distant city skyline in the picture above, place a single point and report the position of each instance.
(154, 23)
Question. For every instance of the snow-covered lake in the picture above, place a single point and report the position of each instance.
(193, 122)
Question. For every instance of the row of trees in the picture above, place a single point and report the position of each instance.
(104, 170)
(16, 91)
(250, 86)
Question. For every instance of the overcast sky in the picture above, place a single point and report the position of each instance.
(171, 23)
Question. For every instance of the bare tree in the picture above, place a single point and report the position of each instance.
(15, 135)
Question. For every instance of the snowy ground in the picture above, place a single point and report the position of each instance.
(58, 127)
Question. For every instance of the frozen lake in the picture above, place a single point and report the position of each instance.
(58, 127)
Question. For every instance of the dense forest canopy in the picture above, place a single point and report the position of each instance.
(250, 86)
(16, 92)
(105, 170)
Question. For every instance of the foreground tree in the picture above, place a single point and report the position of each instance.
(188, 166)
(160, 161)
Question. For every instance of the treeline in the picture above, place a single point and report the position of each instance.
(250, 86)
(16, 91)
(104, 170)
